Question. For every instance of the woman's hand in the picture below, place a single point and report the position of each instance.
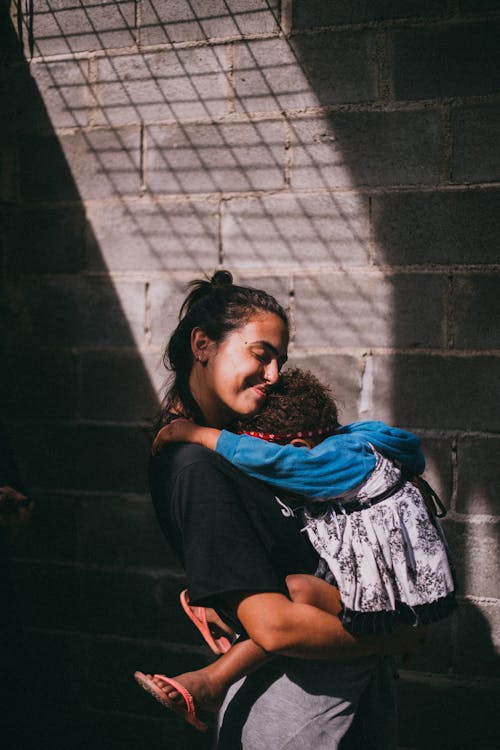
(184, 431)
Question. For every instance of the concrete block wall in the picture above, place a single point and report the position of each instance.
(342, 155)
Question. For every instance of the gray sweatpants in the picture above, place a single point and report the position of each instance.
(294, 704)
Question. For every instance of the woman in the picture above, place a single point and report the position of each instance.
(238, 541)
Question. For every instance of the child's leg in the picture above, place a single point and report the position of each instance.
(209, 685)
(306, 589)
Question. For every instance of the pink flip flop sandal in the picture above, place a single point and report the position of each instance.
(188, 713)
(199, 619)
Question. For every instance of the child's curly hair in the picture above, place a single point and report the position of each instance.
(298, 403)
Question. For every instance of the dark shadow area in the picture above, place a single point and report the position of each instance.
(166, 162)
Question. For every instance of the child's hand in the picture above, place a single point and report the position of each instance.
(178, 431)
(184, 431)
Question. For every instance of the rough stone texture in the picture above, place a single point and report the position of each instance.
(478, 475)
(153, 236)
(109, 165)
(311, 13)
(277, 74)
(474, 550)
(70, 26)
(191, 20)
(169, 85)
(351, 168)
(446, 61)
(66, 93)
(366, 148)
(476, 312)
(349, 309)
(476, 154)
(402, 385)
(294, 232)
(438, 227)
(215, 158)
(447, 706)
(45, 240)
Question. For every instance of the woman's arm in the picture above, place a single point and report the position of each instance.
(281, 626)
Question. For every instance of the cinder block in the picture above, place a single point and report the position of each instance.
(149, 235)
(115, 386)
(477, 639)
(119, 603)
(49, 595)
(341, 373)
(37, 384)
(476, 152)
(438, 467)
(63, 26)
(215, 158)
(78, 311)
(51, 534)
(476, 312)
(278, 74)
(57, 664)
(296, 231)
(193, 20)
(474, 549)
(313, 13)
(478, 6)
(167, 85)
(166, 299)
(110, 458)
(122, 531)
(458, 715)
(65, 92)
(436, 654)
(437, 392)
(47, 240)
(369, 309)
(88, 164)
(438, 62)
(478, 475)
(348, 149)
(440, 227)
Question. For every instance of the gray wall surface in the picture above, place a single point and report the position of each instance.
(344, 156)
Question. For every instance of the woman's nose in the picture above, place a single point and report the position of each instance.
(272, 372)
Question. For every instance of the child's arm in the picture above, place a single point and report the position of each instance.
(328, 470)
(184, 431)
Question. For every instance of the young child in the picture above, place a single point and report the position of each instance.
(378, 539)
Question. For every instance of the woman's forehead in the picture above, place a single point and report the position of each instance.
(265, 328)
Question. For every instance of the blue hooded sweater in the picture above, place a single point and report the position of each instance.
(340, 463)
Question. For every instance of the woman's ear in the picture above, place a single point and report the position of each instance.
(200, 345)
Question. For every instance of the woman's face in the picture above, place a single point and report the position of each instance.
(231, 379)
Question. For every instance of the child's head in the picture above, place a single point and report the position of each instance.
(299, 406)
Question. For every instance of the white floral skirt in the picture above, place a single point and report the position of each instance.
(389, 560)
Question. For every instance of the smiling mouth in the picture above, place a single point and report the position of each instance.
(261, 390)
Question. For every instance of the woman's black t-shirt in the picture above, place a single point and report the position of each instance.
(230, 532)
